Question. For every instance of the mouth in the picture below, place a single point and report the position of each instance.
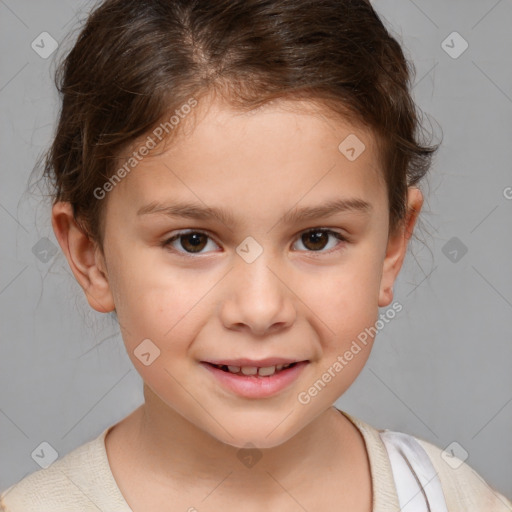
(256, 379)
(258, 371)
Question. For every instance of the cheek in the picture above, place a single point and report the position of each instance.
(162, 304)
(345, 311)
(346, 302)
(346, 298)
(158, 329)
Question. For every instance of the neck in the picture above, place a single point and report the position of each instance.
(176, 450)
(169, 448)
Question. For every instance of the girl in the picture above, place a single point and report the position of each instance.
(237, 181)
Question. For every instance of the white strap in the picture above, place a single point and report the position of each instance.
(417, 484)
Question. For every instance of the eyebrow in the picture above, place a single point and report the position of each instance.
(200, 212)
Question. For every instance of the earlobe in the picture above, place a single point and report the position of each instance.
(84, 258)
(397, 247)
(385, 297)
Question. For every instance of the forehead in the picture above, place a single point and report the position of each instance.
(278, 154)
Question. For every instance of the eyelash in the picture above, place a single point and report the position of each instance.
(166, 243)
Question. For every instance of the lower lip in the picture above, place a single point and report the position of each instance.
(252, 386)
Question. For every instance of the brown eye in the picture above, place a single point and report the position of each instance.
(315, 240)
(192, 242)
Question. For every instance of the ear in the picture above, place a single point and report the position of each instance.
(84, 257)
(397, 247)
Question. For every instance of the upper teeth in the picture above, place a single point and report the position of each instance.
(253, 370)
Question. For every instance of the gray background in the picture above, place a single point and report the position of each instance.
(440, 370)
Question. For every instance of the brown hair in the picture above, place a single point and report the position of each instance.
(135, 62)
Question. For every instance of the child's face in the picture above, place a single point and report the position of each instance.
(300, 299)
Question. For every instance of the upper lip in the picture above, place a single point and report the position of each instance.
(260, 363)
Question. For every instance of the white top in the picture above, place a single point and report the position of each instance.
(82, 481)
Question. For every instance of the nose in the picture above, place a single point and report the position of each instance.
(258, 299)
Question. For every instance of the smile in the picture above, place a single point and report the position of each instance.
(265, 371)
(255, 381)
